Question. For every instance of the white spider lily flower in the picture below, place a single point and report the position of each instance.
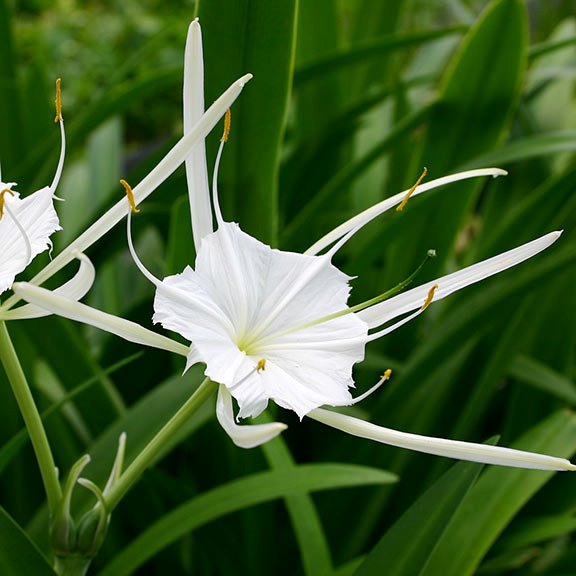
(25, 229)
(275, 325)
(26, 224)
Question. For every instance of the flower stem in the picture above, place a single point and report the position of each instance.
(132, 474)
(72, 566)
(31, 417)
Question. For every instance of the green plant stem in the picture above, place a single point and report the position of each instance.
(132, 474)
(72, 566)
(31, 417)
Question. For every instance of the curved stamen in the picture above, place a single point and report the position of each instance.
(58, 102)
(402, 204)
(374, 211)
(392, 327)
(2, 201)
(174, 292)
(149, 276)
(429, 297)
(223, 140)
(60, 120)
(351, 233)
(130, 196)
(384, 378)
(330, 253)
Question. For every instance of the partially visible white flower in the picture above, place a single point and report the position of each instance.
(197, 126)
(275, 325)
(26, 224)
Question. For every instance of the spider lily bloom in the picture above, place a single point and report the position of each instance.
(26, 224)
(275, 325)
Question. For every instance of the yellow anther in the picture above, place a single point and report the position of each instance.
(261, 365)
(227, 122)
(387, 374)
(402, 204)
(129, 195)
(58, 102)
(2, 194)
(429, 297)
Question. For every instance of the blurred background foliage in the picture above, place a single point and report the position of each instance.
(350, 100)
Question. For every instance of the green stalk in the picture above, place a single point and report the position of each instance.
(145, 459)
(31, 417)
(72, 566)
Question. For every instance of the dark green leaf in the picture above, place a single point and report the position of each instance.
(18, 555)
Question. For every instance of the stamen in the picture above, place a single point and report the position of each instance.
(384, 378)
(58, 102)
(215, 201)
(60, 120)
(150, 277)
(410, 192)
(2, 194)
(227, 123)
(261, 365)
(429, 298)
(130, 196)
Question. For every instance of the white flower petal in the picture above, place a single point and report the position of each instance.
(370, 213)
(402, 303)
(75, 289)
(196, 170)
(441, 446)
(166, 166)
(246, 302)
(80, 312)
(193, 357)
(37, 219)
(248, 436)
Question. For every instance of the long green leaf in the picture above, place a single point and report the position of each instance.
(472, 115)
(10, 148)
(406, 548)
(310, 71)
(18, 555)
(237, 495)
(303, 515)
(525, 149)
(496, 499)
(11, 448)
(254, 36)
(540, 376)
